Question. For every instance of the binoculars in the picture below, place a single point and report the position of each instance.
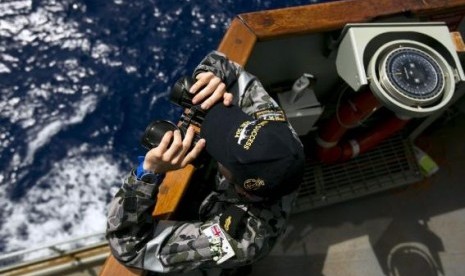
(192, 115)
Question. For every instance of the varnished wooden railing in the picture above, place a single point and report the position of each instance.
(248, 29)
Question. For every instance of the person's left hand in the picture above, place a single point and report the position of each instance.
(173, 152)
(213, 90)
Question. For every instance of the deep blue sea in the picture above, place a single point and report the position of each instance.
(79, 82)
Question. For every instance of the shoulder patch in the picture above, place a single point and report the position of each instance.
(232, 221)
(270, 114)
(220, 248)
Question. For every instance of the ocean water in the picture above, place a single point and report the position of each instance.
(79, 82)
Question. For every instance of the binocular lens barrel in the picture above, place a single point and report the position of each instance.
(180, 92)
(154, 133)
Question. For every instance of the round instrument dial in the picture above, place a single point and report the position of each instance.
(412, 74)
(411, 78)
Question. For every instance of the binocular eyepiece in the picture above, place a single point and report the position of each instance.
(192, 115)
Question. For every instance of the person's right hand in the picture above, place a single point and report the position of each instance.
(166, 157)
(209, 89)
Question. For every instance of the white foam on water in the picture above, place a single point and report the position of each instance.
(44, 133)
(69, 201)
(13, 7)
(4, 68)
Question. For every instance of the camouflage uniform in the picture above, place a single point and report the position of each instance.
(138, 240)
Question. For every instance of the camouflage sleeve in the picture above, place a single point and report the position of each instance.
(247, 90)
(129, 222)
(221, 66)
(139, 240)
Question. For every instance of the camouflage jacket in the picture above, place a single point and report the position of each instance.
(137, 239)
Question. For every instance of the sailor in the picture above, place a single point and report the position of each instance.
(260, 163)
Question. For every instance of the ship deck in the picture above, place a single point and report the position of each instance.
(414, 230)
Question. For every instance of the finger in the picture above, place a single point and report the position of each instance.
(207, 90)
(227, 99)
(154, 155)
(215, 97)
(188, 139)
(186, 144)
(193, 153)
(165, 141)
(202, 80)
(175, 147)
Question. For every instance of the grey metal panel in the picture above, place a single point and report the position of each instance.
(355, 38)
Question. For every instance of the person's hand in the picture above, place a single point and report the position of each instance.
(168, 157)
(213, 91)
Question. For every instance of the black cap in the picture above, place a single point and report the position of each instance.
(264, 156)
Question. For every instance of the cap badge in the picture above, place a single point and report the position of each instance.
(253, 184)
